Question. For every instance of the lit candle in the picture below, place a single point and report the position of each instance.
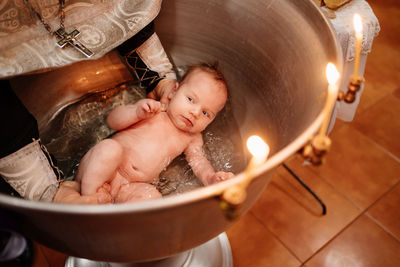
(359, 36)
(235, 195)
(333, 76)
(259, 150)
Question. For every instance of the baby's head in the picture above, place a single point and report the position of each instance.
(201, 94)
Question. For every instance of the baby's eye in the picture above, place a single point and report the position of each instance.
(190, 99)
(205, 113)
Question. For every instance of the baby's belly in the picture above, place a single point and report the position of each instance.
(148, 149)
(136, 169)
(144, 163)
(134, 174)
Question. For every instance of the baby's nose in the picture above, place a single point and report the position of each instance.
(196, 110)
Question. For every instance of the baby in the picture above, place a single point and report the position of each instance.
(150, 136)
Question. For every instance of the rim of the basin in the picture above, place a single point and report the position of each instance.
(191, 196)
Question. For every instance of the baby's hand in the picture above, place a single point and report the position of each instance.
(163, 90)
(219, 177)
(147, 108)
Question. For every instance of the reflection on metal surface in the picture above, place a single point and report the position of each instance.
(214, 253)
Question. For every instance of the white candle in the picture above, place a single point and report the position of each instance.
(333, 76)
(259, 150)
(235, 195)
(359, 36)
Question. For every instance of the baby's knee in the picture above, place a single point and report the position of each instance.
(109, 149)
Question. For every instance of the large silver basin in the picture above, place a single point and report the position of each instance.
(274, 54)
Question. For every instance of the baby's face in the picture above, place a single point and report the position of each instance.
(197, 101)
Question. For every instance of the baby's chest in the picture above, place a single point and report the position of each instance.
(161, 137)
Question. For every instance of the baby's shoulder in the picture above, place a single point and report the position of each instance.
(196, 140)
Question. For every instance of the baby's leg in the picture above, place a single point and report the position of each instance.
(136, 191)
(99, 165)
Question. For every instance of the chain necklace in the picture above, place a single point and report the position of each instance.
(64, 37)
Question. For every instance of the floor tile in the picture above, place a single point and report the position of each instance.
(379, 82)
(253, 245)
(374, 91)
(54, 258)
(384, 60)
(397, 93)
(386, 212)
(358, 167)
(364, 244)
(386, 44)
(387, 13)
(295, 217)
(39, 260)
(381, 123)
(381, 54)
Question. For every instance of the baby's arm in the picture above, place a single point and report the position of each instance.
(122, 117)
(201, 166)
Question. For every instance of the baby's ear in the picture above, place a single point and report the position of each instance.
(173, 91)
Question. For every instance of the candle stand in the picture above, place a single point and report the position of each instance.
(341, 20)
(353, 87)
(320, 144)
(295, 176)
(314, 153)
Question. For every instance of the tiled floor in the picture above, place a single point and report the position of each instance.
(359, 183)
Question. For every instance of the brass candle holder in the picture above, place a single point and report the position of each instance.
(231, 201)
(316, 150)
(353, 87)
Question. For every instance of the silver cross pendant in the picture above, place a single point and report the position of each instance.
(69, 38)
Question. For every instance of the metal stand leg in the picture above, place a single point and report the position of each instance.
(214, 253)
(306, 187)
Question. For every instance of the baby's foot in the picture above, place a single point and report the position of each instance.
(103, 194)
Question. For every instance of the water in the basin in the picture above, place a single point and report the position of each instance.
(78, 127)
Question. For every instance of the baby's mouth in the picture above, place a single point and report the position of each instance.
(187, 121)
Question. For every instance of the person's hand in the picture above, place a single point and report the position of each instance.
(219, 177)
(147, 108)
(69, 193)
(163, 90)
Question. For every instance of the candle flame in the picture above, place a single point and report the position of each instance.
(257, 147)
(357, 23)
(332, 74)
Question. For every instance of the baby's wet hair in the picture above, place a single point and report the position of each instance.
(211, 68)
